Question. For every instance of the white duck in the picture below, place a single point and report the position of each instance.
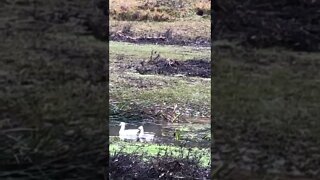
(145, 136)
(129, 133)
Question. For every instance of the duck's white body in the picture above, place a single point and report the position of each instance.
(129, 133)
(145, 136)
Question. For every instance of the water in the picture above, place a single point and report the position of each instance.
(148, 127)
(192, 134)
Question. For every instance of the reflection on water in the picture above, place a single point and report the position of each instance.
(129, 138)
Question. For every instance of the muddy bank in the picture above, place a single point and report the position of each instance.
(162, 40)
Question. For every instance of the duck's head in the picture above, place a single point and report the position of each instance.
(140, 127)
(122, 123)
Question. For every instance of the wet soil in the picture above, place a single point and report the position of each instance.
(193, 68)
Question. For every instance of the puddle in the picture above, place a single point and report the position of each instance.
(188, 134)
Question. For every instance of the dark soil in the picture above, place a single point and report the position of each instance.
(194, 68)
(131, 167)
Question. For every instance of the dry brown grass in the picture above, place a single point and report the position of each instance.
(204, 6)
(182, 29)
(155, 10)
(137, 11)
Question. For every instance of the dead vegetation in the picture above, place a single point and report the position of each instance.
(155, 10)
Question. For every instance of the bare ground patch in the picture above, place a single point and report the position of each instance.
(193, 68)
(159, 168)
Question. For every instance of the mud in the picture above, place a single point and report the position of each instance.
(193, 68)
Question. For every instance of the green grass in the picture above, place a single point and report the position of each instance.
(268, 91)
(168, 51)
(153, 150)
(125, 85)
(195, 132)
(128, 86)
(179, 92)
